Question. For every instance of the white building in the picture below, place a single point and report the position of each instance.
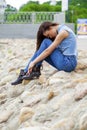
(2, 6)
(53, 2)
(2, 9)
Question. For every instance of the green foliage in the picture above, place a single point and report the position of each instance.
(48, 2)
(17, 17)
(40, 7)
(10, 9)
(77, 9)
(32, 2)
(81, 3)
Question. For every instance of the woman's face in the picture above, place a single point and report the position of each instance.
(51, 33)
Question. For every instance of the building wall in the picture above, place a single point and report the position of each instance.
(2, 5)
(2, 9)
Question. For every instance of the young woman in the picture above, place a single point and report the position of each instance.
(56, 44)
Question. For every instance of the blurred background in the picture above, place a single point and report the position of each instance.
(24, 16)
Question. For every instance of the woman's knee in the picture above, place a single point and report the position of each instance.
(47, 42)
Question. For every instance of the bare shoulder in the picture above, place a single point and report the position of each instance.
(63, 34)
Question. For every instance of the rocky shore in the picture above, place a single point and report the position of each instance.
(55, 101)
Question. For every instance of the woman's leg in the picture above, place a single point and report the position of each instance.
(62, 62)
(36, 71)
(48, 60)
(45, 44)
(56, 58)
(33, 57)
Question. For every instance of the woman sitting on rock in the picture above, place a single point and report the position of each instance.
(56, 44)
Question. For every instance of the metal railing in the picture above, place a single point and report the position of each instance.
(28, 17)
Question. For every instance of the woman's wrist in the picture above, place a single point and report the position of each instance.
(34, 63)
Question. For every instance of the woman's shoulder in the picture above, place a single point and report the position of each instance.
(61, 27)
(64, 27)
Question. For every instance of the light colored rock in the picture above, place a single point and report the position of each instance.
(13, 124)
(42, 79)
(11, 69)
(34, 128)
(13, 104)
(50, 101)
(25, 114)
(5, 115)
(64, 124)
(81, 91)
(59, 78)
(14, 91)
(3, 101)
(81, 66)
(25, 94)
(5, 80)
(64, 100)
(79, 110)
(81, 79)
(61, 75)
(50, 95)
(25, 82)
(56, 81)
(44, 113)
(33, 99)
(3, 96)
(83, 122)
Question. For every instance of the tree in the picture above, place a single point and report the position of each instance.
(10, 8)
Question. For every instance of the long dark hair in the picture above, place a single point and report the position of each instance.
(43, 27)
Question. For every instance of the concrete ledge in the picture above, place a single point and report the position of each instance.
(21, 30)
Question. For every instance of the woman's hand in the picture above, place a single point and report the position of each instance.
(31, 65)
